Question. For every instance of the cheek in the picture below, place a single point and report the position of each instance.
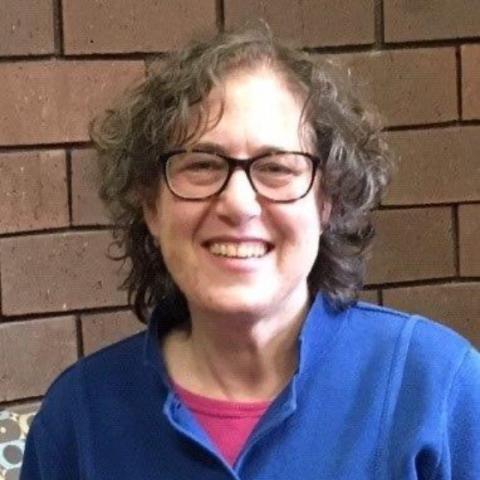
(299, 228)
(310, 228)
(178, 223)
(173, 235)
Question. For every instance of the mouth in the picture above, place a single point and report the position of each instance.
(239, 249)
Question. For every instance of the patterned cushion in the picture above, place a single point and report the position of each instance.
(14, 425)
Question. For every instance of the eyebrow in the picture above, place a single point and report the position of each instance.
(218, 148)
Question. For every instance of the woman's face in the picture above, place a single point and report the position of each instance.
(260, 114)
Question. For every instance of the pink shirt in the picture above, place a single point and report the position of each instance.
(227, 423)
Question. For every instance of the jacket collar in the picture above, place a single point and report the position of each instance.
(322, 323)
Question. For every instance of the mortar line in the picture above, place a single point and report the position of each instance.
(379, 24)
(58, 27)
(220, 20)
(456, 239)
(68, 160)
(20, 402)
(458, 57)
(380, 296)
(80, 345)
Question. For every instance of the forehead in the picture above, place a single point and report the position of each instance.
(252, 109)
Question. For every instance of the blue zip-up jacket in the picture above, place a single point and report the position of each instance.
(377, 395)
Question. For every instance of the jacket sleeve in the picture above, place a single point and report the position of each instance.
(460, 459)
(42, 458)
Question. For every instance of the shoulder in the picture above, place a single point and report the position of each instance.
(114, 364)
(424, 351)
(424, 332)
(60, 428)
(434, 373)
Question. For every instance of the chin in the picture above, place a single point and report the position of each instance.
(234, 301)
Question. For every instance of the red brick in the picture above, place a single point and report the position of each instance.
(309, 23)
(101, 26)
(33, 191)
(60, 272)
(53, 102)
(102, 329)
(87, 208)
(471, 81)
(408, 87)
(370, 296)
(26, 29)
(412, 244)
(34, 352)
(407, 20)
(456, 304)
(435, 166)
(469, 236)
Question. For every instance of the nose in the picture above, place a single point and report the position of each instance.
(238, 202)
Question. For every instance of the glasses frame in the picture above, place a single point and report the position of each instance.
(233, 163)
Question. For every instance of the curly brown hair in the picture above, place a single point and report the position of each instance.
(156, 115)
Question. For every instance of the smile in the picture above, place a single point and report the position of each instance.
(238, 249)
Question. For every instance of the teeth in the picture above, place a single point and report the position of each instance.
(238, 250)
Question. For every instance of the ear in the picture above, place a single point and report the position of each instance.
(325, 211)
(151, 217)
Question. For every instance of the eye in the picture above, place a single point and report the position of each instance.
(281, 164)
(202, 162)
(274, 168)
(196, 162)
(202, 165)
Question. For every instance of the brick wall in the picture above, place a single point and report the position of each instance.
(62, 61)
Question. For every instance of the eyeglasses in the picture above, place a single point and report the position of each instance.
(277, 176)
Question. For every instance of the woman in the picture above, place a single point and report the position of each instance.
(241, 177)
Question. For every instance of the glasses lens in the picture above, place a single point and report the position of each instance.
(196, 174)
(282, 176)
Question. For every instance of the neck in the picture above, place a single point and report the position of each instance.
(236, 357)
